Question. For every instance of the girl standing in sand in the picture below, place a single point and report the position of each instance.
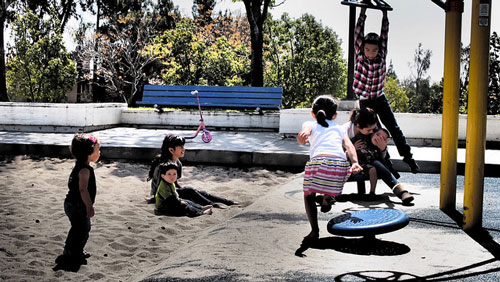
(328, 167)
(79, 202)
(172, 150)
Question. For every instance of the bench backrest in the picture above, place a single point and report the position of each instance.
(213, 96)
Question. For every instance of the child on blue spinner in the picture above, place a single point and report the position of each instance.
(328, 168)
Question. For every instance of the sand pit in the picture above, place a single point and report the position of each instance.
(126, 237)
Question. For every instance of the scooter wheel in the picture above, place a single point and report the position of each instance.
(206, 137)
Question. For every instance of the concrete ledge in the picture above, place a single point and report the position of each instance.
(423, 128)
(247, 120)
(59, 117)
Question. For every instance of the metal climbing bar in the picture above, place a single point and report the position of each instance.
(369, 4)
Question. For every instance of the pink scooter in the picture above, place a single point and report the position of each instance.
(205, 136)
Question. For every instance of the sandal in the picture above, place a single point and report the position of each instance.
(327, 207)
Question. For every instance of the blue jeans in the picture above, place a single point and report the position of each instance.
(384, 174)
(80, 228)
(383, 109)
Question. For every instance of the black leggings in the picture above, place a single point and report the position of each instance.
(80, 227)
(201, 197)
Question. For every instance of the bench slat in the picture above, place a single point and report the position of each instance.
(190, 88)
(237, 102)
(213, 96)
(204, 95)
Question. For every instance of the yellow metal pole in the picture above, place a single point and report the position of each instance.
(451, 95)
(477, 109)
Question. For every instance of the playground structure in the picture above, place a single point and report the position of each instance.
(477, 102)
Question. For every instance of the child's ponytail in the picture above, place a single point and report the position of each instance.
(321, 118)
(324, 108)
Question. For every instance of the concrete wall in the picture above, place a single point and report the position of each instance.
(414, 126)
(420, 129)
(246, 120)
(59, 117)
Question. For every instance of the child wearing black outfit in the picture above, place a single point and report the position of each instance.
(79, 202)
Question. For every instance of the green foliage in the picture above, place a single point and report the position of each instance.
(396, 95)
(428, 99)
(304, 58)
(423, 97)
(212, 54)
(493, 77)
(39, 69)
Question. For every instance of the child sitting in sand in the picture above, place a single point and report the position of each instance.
(167, 199)
(79, 202)
(171, 150)
(328, 168)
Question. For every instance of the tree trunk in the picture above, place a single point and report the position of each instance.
(257, 64)
(256, 17)
(3, 82)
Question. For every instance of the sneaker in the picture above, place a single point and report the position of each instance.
(412, 164)
(151, 200)
(86, 254)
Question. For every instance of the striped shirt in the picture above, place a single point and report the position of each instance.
(369, 75)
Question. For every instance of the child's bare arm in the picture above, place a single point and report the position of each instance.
(351, 154)
(84, 176)
(303, 136)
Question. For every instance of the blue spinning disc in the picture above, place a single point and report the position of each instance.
(368, 222)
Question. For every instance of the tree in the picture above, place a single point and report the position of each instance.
(63, 10)
(418, 88)
(202, 11)
(396, 95)
(39, 68)
(391, 72)
(305, 58)
(256, 14)
(421, 64)
(4, 15)
(122, 54)
(215, 54)
(493, 76)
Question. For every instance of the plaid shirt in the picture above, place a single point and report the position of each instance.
(369, 75)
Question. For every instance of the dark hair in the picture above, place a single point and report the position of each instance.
(164, 167)
(324, 108)
(384, 130)
(364, 117)
(372, 38)
(170, 141)
(82, 146)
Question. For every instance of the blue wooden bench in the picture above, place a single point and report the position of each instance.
(242, 97)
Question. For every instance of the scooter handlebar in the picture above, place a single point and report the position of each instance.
(194, 92)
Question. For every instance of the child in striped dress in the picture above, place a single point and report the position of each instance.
(328, 168)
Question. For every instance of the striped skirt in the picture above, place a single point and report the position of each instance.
(326, 175)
